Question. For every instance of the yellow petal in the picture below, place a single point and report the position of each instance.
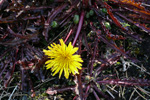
(57, 70)
(61, 70)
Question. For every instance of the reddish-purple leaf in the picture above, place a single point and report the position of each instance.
(52, 91)
(125, 82)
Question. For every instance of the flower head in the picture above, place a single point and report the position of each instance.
(62, 59)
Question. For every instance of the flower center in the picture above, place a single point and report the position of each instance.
(66, 56)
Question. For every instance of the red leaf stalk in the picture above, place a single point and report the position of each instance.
(79, 28)
(70, 32)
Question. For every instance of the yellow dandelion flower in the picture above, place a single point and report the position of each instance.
(62, 59)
